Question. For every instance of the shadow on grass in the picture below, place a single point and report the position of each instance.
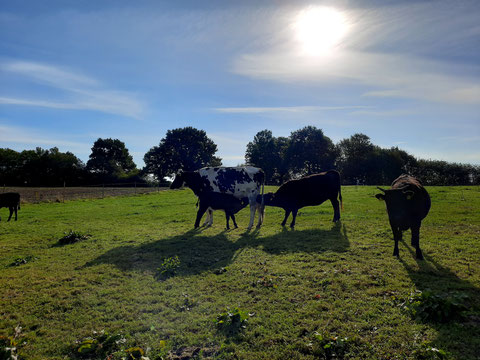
(461, 338)
(198, 253)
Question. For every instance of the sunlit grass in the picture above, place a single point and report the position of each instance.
(335, 280)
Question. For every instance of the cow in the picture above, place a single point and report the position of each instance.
(219, 201)
(12, 201)
(308, 191)
(407, 204)
(241, 182)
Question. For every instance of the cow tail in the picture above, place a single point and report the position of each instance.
(340, 197)
(340, 191)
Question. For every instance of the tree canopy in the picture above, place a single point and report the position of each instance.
(110, 160)
(181, 149)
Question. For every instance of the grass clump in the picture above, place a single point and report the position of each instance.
(441, 308)
(169, 266)
(22, 260)
(230, 322)
(101, 344)
(71, 237)
(335, 347)
(429, 353)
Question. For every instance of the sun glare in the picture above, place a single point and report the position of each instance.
(320, 30)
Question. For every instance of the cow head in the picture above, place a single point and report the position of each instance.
(268, 199)
(398, 201)
(178, 182)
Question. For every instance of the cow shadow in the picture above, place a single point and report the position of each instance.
(459, 337)
(199, 253)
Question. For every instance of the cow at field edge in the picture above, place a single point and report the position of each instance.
(219, 201)
(308, 191)
(408, 204)
(12, 201)
(241, 182)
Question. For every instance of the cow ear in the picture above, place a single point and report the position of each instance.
(380, 196)
(409, 194)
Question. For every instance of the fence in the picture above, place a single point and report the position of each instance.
(61, 194)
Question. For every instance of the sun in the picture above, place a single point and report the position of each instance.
(319, 30)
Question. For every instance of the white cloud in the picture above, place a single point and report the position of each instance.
(82, 92)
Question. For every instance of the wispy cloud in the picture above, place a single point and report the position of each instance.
(284, 109)
(398, 63)
(82, 92)
(24, 137)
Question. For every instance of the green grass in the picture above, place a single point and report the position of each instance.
(300, 288)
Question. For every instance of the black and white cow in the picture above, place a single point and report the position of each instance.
(241, 182)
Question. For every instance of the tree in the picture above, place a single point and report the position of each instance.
(310, 151)
(268, 153)
(110, 160)
(181, 149)
(357, 158)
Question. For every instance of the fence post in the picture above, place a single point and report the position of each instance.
(64, 190)
(103, 191)
(135, 188)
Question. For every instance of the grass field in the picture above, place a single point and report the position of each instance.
(322, 291)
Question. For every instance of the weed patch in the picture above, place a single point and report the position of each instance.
(230, 322)
(169, 267)
(429, 307)
(71, 237)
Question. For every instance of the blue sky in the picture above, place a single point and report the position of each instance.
(405, 73)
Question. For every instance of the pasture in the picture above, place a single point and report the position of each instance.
(321, 291)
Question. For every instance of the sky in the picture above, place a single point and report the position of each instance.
(405, 73)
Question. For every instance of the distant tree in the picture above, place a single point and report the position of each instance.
(9, 167)
(357, 158)
(310, 151)
(40, 167)
(268, 153)
(110, 160)
(181, 149)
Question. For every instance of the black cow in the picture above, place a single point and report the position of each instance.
(219, 201)
(407, 205)
(308, 191)
(12, 201)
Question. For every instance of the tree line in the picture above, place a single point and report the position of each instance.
(306, 151)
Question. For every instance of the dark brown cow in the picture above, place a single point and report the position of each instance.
(408, 204)
(12, 201)
(308, 191)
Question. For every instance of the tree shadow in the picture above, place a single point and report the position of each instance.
(198, 253)
(461, 338)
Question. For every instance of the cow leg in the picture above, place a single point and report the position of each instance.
(234, 222)
(200, 212)
(227, 216)
(253, 207)
(416, 241)
(294, 216)
(209, 218)
(16, 209)
(11, 212)
(336, 209)
(397, 236)
(287, 214)
(261, 214)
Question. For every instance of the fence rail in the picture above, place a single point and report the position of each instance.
(61, 194)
